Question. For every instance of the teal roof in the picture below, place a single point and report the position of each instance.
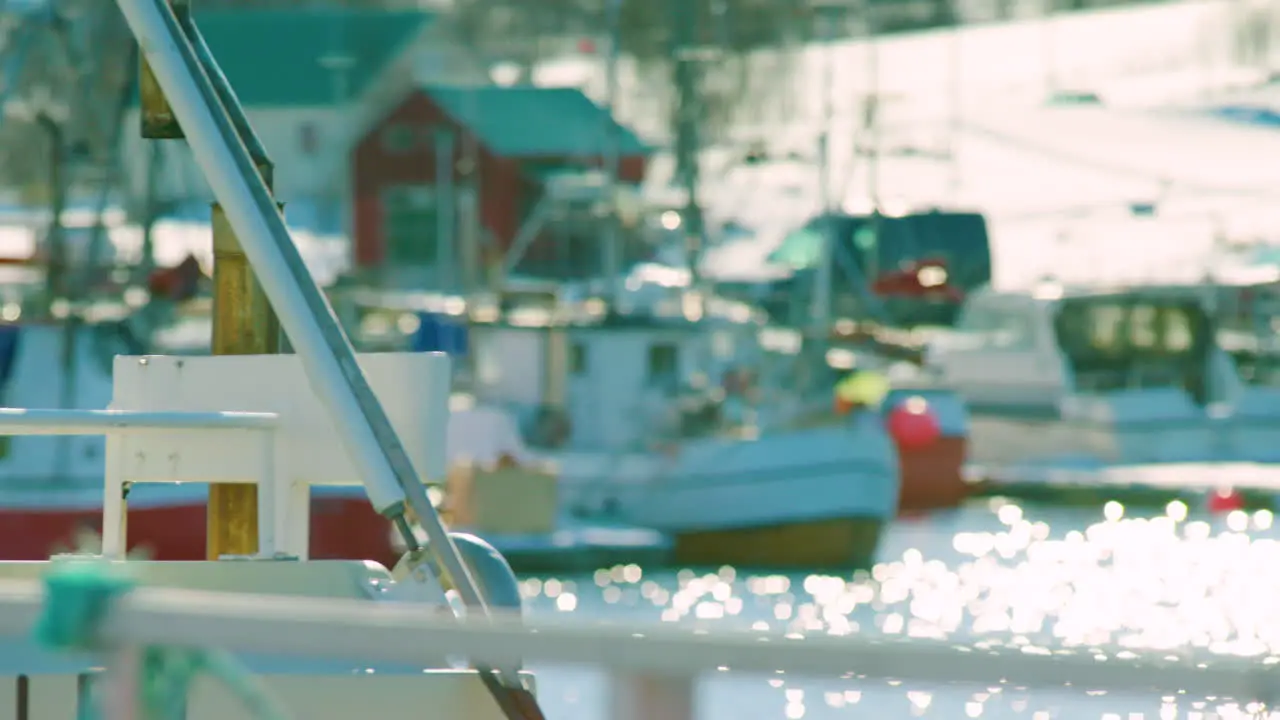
(530, 122)
(285, 58)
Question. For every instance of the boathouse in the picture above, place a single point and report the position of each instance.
(310, 80)
(444, 182)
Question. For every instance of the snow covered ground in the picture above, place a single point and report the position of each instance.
(326, 254)
(1055, 181)
(1057, 184)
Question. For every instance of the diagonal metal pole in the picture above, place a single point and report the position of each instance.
(324, 350)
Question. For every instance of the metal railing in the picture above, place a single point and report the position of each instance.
(16, 421)
(643, 655)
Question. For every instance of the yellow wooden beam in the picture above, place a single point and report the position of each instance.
(243, 324)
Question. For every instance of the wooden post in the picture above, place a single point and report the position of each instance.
(157, 118)
(243, 324)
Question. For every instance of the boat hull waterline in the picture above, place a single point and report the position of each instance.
(800, 499)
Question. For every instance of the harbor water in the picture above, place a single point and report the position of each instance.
(991, 574)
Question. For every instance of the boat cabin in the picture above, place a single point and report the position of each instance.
(576, 372)
(1013, 350)
(918, 265)
(609, 381)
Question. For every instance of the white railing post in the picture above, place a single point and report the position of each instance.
(115, 508)
(121, 693)
(271, 507)
(646, 696)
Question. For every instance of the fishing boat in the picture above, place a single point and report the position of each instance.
(893, 274)
(668, 416)
(51, 487)
(916, 267)
(932, 474)
(1061, 378)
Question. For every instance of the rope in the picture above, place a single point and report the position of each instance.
(78, 598)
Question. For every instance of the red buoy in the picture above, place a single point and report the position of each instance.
(913, 424)
(1224, 500)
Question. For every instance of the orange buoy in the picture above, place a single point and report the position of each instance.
(912, 424)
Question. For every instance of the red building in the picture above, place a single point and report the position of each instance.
(517, 135)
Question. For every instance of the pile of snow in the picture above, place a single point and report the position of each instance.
(326, 255)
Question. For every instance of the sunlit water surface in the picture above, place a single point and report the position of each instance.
(994, 574)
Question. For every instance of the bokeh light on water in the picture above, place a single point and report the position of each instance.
(989, 575)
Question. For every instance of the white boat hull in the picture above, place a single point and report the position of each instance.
(768, 501)
(1140, 427)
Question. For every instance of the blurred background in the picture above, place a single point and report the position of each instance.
(733, 123)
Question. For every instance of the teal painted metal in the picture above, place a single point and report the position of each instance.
(532, 122)
(79, 599)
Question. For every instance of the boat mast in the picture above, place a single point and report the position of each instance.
(688, 116)
(956, 109)
(874, 106)
(829, 14)
(611, 262)
(1048, 45)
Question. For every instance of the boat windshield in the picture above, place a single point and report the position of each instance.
(1115, 342)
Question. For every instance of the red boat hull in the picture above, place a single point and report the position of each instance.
(345, 528)
(932, 476)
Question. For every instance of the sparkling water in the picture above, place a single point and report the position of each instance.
(994, 574)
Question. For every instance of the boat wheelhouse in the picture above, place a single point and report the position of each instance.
(1081, 378)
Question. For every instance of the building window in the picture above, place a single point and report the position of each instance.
(434, 136)
(309, 138)
(663, 361)
(399, 138)
(409, 224)
(578, 358)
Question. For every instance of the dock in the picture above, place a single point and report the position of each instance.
(1256, 484)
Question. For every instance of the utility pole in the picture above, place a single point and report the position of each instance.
(611, 262)
(55, 238)
(150, 212)
(688, 116)
(874, 104)
(956, 120)
(476, 271)
(871, 268)
(446, 237)
(339, 63)
(1048, 45)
